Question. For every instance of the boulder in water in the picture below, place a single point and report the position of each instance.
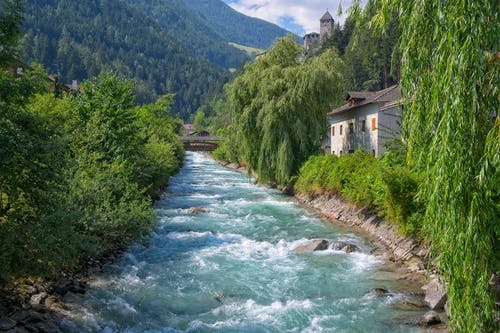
(379, 292)
(197, 210)
(349, 248)
(314, 245)
(344, 246)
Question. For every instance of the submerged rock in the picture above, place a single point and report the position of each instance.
(431, 318)
(410, 304)
(197, 210)
(315, 245)
(379, 292)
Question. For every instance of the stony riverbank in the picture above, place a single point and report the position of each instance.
(37, 305)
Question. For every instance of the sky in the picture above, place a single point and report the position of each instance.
(297, 16)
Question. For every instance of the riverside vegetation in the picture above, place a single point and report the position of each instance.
(441, 184)
(77, 171)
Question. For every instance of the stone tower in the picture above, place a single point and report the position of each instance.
(311, 41)
(326, 27)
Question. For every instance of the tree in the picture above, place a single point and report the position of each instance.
(450, 74)
(280, 104)
(371, 57)
(10, 21)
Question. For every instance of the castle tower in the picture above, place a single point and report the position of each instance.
(326, 26)
(311, 41)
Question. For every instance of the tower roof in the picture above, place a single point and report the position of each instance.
(326, 17)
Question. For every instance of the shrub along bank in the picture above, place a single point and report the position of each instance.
(381, 184)
(77, 172)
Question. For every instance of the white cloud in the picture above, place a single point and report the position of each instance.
(304, 14)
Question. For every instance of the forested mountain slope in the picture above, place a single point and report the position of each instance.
(192, 31)
(236, 27)
(79, 39)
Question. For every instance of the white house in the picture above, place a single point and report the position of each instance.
(366, 122)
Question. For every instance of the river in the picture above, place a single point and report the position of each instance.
(233, 268)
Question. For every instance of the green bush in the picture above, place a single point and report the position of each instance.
(400, 186)
(382, 185)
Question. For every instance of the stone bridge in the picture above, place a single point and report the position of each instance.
(200, 143)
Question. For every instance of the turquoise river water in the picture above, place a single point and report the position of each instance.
(233, 268)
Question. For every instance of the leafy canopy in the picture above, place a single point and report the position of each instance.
(279, 104)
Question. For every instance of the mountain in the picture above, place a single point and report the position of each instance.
(184, 47)
(192, 31)
(79, 39)
(236, 27)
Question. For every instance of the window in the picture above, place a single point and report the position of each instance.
(373, 151)
(340, 153)
(333, 130)
(333, 152)
(340, 129)
(351, 128)
(363, 125)
(374, 124)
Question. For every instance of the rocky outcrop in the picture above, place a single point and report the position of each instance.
(435, 294)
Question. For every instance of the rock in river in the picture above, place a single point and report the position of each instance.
(314, 245)
(197, 210)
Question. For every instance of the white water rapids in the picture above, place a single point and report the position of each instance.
(233, 268)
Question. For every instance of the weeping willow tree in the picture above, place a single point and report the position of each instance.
(280, 103)
(450, 70)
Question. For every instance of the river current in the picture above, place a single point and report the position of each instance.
(233, 268)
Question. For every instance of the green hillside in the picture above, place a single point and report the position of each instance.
(251, 51)
(236, 27)
(191, 31)
(80, 39)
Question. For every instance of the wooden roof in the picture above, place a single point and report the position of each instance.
(357, 99)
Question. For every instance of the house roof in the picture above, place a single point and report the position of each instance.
(357, 99)
(326, 16)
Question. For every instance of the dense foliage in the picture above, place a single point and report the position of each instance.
(76, 171)
(372, 59)
(10, 16)
(384, 185)
(234, 26)
(278, 107)
(450, 70)
(80, 39)
(193, 31)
